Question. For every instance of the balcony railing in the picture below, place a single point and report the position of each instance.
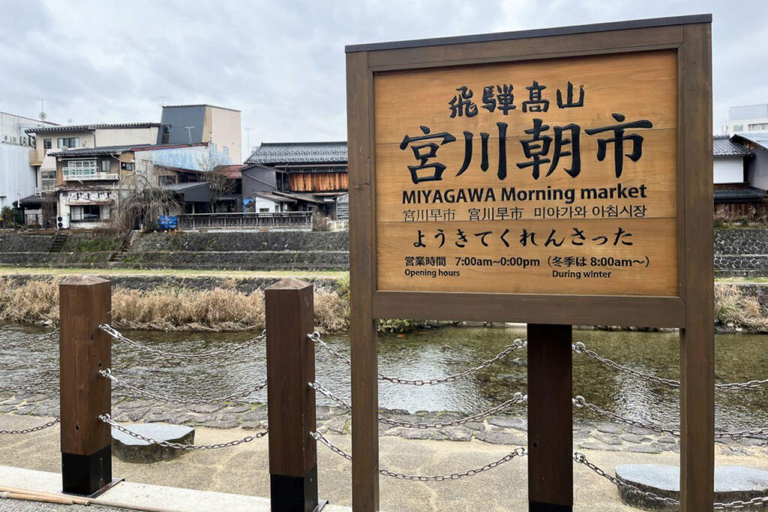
(79, 175)
(280, 220)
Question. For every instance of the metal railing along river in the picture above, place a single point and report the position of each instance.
(290, 345)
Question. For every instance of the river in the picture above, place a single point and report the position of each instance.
(423, 355)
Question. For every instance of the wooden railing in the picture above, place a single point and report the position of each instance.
(281, 220)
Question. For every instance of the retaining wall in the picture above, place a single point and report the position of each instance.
(741, 252)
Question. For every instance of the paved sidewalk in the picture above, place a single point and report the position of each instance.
(244, 470)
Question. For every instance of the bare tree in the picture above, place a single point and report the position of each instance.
(141, 200)
(219, 184)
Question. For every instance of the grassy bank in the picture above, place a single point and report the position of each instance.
(227, 309)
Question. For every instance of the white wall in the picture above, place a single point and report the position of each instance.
(16, 175)
(729, 169)
(125, 136)
(226, 132)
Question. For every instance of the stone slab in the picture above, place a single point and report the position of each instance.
(732, 483)
(129, 449)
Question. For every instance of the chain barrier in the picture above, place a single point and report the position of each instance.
(184, 401)
(580, 348)
(518, 398)
(33, 429)
(211, 354)
(517, 452)
(517, 344)
(580, 458)
(34, 341)
(105, 418)
(580, 402)
(35, 386)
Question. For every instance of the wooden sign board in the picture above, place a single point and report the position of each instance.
(549, 177)
(558, 176)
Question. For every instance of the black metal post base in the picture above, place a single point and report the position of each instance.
(85, 475)
(548, 507)
(295, 494)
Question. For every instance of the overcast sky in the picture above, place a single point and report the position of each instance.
(282, 63)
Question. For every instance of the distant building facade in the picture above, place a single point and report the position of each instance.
(206, 124)
(296, 176)
(17, 176)
(747, 118)
(740, 174)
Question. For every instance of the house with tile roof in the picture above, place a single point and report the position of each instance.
(740, 172)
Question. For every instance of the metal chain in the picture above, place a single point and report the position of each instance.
(33, 429)
(518, 398)
(517, 344)
(117, 335)
(517, 452)
(580, 458)
(733, 505)
(194, 401)
(580, 348)
(580, 402)
(34, 341)
(35, 386)
(105, 418)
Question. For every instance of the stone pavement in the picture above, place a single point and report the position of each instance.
(245, 469)
(496, 430)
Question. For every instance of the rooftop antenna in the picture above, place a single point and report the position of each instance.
(162, 100)
(43, 115)
(189, 132)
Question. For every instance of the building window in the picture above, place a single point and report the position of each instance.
(758, 126)
(70, 142)
(166, 179)
(46, 143)
(86, 213)
(47, 181)
(126, 166)
(106, 165)
(166, 134)
(738, 128)
(79, 169)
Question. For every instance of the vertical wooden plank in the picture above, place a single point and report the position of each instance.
(365, 395)
(290, 401)
(85, 302)
(697, 345)
(550, 418)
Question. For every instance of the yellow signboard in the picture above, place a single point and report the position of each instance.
(539, 177)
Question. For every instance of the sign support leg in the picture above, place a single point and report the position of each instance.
(550, 418)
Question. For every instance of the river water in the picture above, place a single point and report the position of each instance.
(423, 355)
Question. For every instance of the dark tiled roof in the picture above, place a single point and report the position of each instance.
(90, 127)
(723, 146)
(100, 151)
(275, 153)
(739, 194)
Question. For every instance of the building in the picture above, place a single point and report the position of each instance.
(747, 118)
(202, 124)
(740, 174)
(296, 176)
(17, 176)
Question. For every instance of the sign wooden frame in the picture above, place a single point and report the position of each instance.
(691, 311)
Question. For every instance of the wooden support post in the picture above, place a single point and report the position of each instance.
(697, 340)
(291, 402)
(550, 418)
(85, 302)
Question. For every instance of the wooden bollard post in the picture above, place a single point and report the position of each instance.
(291, 402)
(85, 302)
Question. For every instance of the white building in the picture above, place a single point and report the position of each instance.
(747, 118)
(17, 177)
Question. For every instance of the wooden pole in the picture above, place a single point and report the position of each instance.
(697, 340)
(291, 402)
(550, 418)
(362, 247)
(85, 302)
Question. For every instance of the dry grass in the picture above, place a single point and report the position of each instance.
(220, 309)
(734, 309)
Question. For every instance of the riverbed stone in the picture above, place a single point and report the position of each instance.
(644, 448)
(507, 422)
(608, 428)
(635, 439)
(129, 449)
(499, 437)
(732, 483)
(457, 434)
(608, 439)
